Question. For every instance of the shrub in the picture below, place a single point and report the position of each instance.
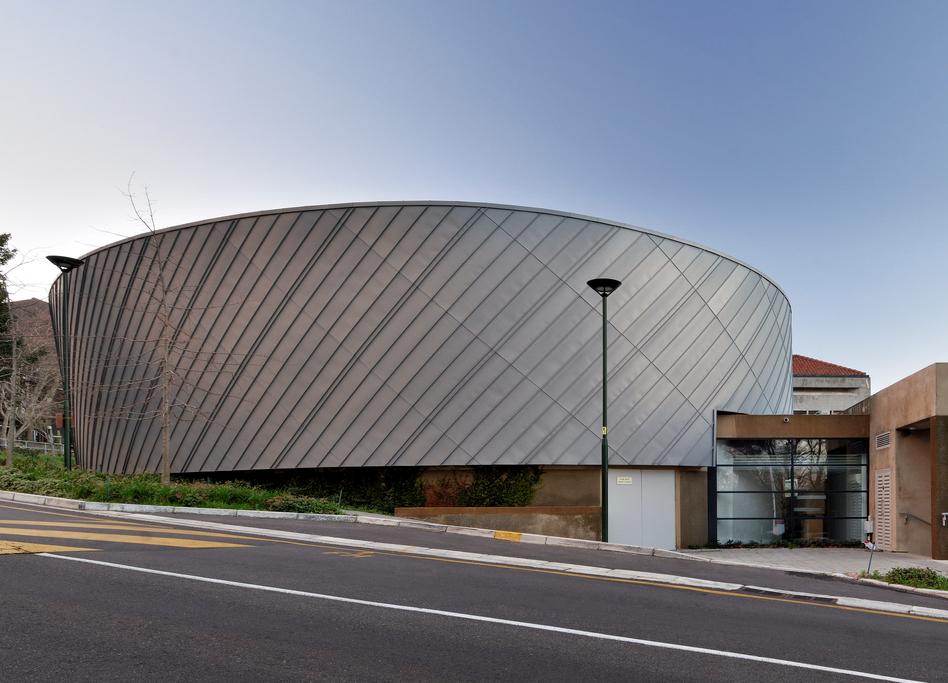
(46, 476)
(288, 502)
(918, 577)
(500, 487)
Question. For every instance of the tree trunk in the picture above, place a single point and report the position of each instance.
(11, 409)
(165, 413)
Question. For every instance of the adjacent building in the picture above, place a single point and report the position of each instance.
(823, 388)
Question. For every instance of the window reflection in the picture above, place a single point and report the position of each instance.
(806, 489)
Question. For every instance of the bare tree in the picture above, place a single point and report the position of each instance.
(30, 394)
(27, 386)
(161, 368)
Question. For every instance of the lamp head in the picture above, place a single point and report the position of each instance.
(604, 286)
(65, 263)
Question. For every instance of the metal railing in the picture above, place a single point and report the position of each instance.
(43, 446)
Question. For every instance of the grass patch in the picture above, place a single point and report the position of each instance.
(917, 577)
(45, 475)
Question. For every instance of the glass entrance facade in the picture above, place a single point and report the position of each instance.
(769, 490)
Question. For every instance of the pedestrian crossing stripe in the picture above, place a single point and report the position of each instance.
(118, 538)
(122, 527)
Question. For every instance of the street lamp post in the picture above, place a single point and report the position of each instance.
(604, 287)
(65, 264)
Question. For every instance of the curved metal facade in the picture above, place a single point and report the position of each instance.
(413, 334)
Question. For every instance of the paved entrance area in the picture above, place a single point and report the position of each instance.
(833, 560)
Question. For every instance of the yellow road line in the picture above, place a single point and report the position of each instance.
(85, 515)
(17, 548)
(120, 538)
(125, 527)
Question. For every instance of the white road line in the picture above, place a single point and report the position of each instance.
(492, 620)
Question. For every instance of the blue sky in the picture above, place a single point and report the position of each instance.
(809, 139)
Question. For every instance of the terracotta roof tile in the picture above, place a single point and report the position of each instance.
(804, 366)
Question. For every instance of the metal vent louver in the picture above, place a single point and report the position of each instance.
(883, 440)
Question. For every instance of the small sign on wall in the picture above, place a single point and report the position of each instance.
(624, 481)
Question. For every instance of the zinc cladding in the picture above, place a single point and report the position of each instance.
(414, 334)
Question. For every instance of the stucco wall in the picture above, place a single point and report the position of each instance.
(913, 491)
(792, 426)
(939, 433)
(568, 486)
(913, 411)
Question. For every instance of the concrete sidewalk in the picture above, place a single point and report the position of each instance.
(826, 560)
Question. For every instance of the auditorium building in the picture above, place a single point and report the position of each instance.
(449, 337)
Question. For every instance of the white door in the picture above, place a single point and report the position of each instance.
(642, 507)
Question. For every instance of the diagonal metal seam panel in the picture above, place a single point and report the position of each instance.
(107, 376)
(413, 288)
(698, 293)
(417, 285)
(314, 321)
(501, 423)
(339, 225)
(485, 205)
(231, 320)
(492, 352)
(594, 310)
(149, 431)
(355, 356)
(313, 317)
(425, 422)
(337, 220)
(222, 309)
(156, 244)
(644, 355)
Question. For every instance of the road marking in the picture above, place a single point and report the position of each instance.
(394, 550)
(120, 538)
(18, 548)
(649, 579)
(350, 553)
(491, 620)
(123, 527)
(507, 535)
(31, 508)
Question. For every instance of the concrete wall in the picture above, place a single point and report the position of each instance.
(828, 394)
(571, 522)
(568, 486)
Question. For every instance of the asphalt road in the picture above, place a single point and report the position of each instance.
(236, 607)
